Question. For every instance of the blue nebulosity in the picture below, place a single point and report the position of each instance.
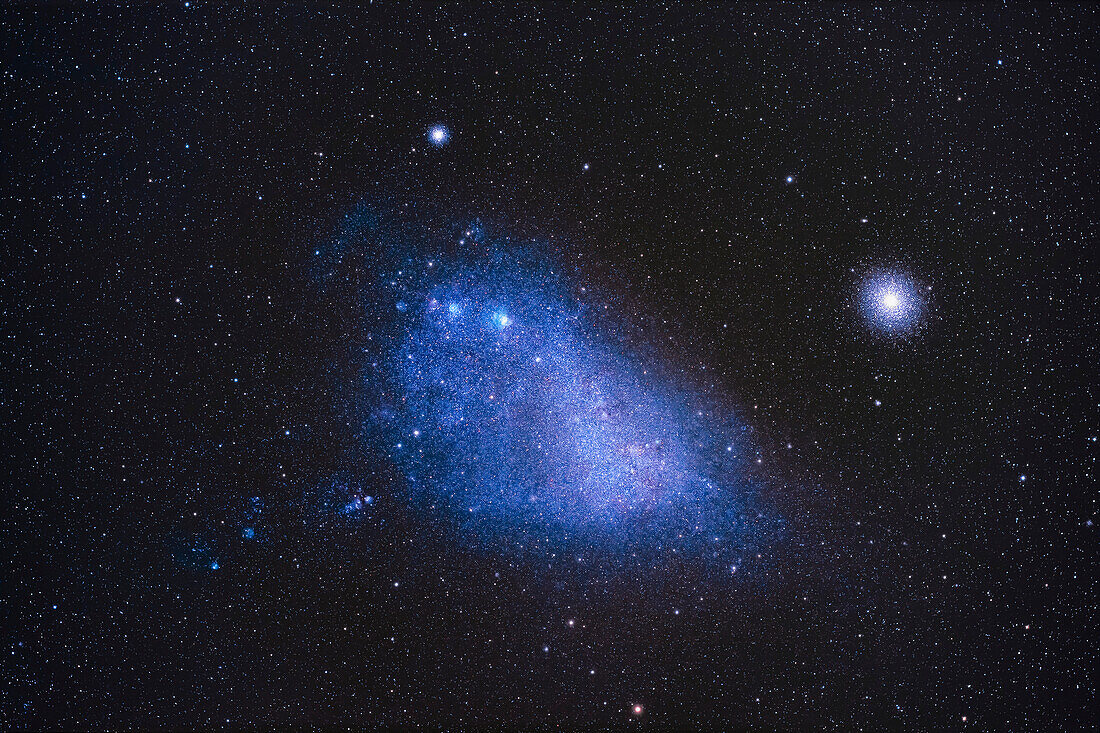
(194, 551)
(891, 302)
(507, 412)
(335, 501)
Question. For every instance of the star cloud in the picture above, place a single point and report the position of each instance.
(509, 414)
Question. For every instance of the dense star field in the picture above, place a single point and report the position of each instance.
(550, 367)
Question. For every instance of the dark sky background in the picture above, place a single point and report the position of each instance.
(170, 173)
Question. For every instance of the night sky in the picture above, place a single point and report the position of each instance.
(450, 367)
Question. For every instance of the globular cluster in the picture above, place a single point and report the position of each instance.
(439, 135)
(892, 302)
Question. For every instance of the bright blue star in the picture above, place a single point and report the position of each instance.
(501, 320)
(438, 135)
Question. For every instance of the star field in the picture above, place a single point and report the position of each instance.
(449, 367)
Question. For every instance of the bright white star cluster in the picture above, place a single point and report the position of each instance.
(891, 301)
(438, 135)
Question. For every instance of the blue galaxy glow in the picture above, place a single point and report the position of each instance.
(507, 411)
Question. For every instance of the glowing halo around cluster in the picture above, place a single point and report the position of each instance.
(891, 302)
(438, 135)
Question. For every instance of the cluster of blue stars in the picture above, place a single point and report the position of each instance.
(438, 135)
(891, 302)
